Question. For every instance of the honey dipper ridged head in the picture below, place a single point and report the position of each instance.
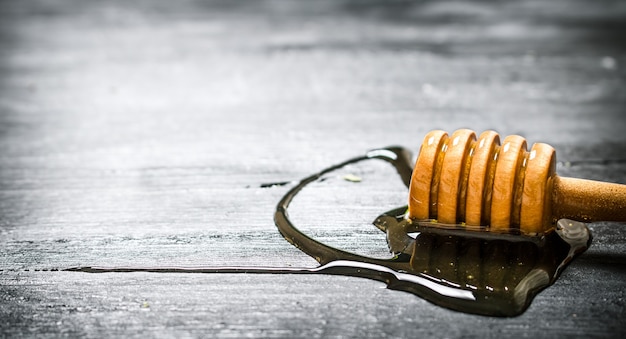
(536, 204)
(423, 173)
(507, 182)
(460, 179)
(478, 204)
(453, 176)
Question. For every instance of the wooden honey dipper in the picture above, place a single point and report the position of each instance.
(483, 185)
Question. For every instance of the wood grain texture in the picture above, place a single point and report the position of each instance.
(139, 133)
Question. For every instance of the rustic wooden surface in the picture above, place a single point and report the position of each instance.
(139, 133)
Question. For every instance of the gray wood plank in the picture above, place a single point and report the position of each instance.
(140, 134)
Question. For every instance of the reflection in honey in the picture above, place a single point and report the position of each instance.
(476, 272)
(503, 272)
(470, 271)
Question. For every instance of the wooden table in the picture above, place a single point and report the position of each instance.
(142, 133)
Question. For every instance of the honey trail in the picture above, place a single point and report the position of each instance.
(475, 272)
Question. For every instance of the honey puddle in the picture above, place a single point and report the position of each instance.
(474, 272)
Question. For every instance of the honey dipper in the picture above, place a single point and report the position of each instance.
(481, 184)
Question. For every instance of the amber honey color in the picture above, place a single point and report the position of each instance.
(480, 272)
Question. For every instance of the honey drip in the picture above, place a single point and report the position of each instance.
(474, 272)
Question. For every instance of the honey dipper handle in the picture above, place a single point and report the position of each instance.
(588, 200)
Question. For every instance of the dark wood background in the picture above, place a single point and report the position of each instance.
(140, 133)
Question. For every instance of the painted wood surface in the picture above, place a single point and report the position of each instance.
(144, 133)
